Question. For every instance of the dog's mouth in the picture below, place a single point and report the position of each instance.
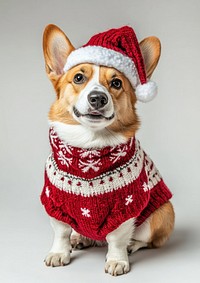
(94, 115)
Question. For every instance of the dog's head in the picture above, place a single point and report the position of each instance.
(94, 96)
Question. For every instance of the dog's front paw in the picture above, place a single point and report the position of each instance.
(57, 259)
(114, 267)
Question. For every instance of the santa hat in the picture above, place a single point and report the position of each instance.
(117, 48)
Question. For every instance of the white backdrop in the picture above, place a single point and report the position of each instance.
(169, 133)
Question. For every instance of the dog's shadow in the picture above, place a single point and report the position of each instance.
(179, 240)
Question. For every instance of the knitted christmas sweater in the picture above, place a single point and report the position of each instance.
(96, 190)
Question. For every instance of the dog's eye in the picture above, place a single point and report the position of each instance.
(116, 83)
(79, 78)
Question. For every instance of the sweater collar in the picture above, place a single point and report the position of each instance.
(89, 163)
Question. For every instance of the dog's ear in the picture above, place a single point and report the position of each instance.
(151, 49)
(56, 47)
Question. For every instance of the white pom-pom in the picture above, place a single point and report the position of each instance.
(146, 92)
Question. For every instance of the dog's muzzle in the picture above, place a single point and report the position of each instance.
(94, 107)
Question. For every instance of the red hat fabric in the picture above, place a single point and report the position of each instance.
(117, 48)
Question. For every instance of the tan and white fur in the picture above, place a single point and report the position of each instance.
(79, 124)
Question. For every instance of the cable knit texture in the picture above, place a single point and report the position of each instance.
(96, 190)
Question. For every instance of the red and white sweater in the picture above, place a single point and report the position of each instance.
(96, 190)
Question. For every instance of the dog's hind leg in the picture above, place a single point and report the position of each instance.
(141, 237)
(155, 231)
(80, 242)
(136, 245)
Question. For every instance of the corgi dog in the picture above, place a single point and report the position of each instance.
(100, 186)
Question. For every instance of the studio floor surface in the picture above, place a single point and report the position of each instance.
(24, 244)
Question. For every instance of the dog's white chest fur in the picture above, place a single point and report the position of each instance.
(80, 136)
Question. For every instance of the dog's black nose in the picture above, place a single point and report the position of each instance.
(97, 99)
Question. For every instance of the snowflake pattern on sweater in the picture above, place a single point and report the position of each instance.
(96, 190)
